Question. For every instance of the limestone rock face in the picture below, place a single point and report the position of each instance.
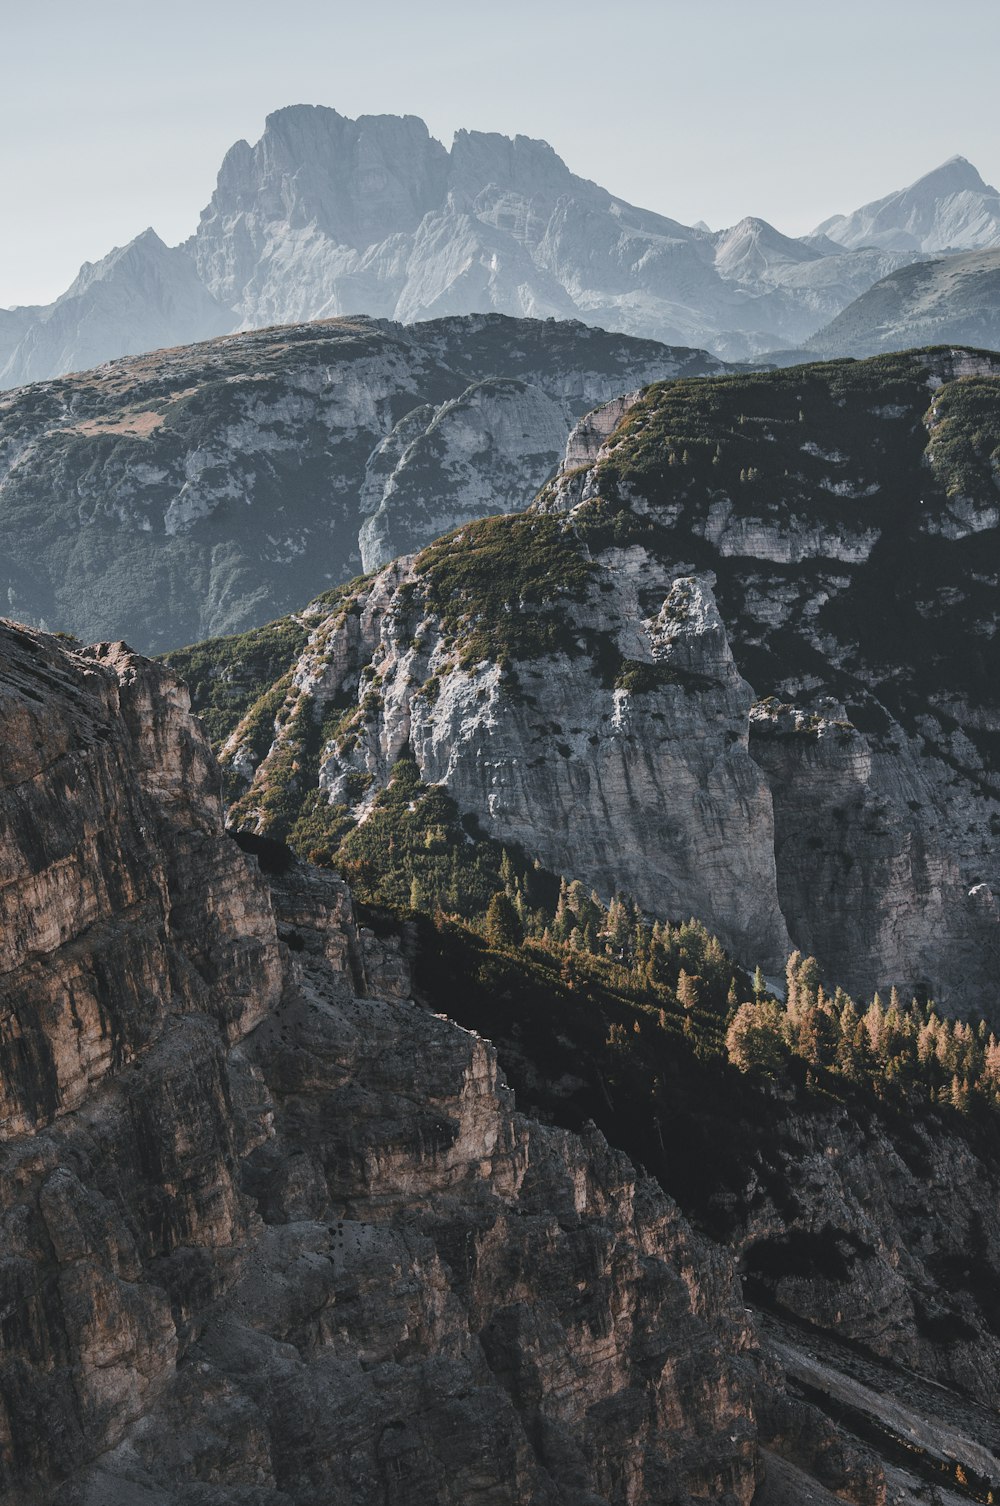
(205, 489)
(270, 1232)
(109, 794)
(723, 664)
(643, 787)
(882, 779)
(907, 854)
(482, 453)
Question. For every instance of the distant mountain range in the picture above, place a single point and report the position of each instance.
(327, 216)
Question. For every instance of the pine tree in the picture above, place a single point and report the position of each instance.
(503, 927)
(687, 991)
(808, 981)
(618, 925)
(562, 924)
(753, 1040)
(875, 1025)
(792, 982)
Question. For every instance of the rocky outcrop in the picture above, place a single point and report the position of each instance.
(272, 1232)
(103, 776)
(499, 440)
(646, 787)
(205, 489)
(736, 662)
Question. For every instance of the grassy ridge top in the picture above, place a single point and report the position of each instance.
(804, 434)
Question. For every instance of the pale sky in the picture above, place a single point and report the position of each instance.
(116, 114)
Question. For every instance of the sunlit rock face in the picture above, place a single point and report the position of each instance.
(269, 1228)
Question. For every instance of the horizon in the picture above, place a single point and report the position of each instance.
(137, 118)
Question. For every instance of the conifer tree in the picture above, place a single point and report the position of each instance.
(792, 982)
(503, 927)
(687, 991)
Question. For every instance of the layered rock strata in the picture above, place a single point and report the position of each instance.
(271, 1232)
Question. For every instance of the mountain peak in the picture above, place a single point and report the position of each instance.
(948, 209)
(276, 118)
(752, 244)
(952, 176)
(148, 240)
(515, 164)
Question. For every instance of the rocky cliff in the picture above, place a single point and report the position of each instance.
(273, 1233)
(207, 488)
(737, 661)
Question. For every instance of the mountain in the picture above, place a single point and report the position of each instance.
(949, 209)
(312, 221)
(737, 663)
(270, 1228)
(799, 281)
(955, 300)
(207, 488)
(327, 217)
(14, 324)
(138, 297)
(275, 1230)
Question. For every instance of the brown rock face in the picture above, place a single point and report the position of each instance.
(272, 1234)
